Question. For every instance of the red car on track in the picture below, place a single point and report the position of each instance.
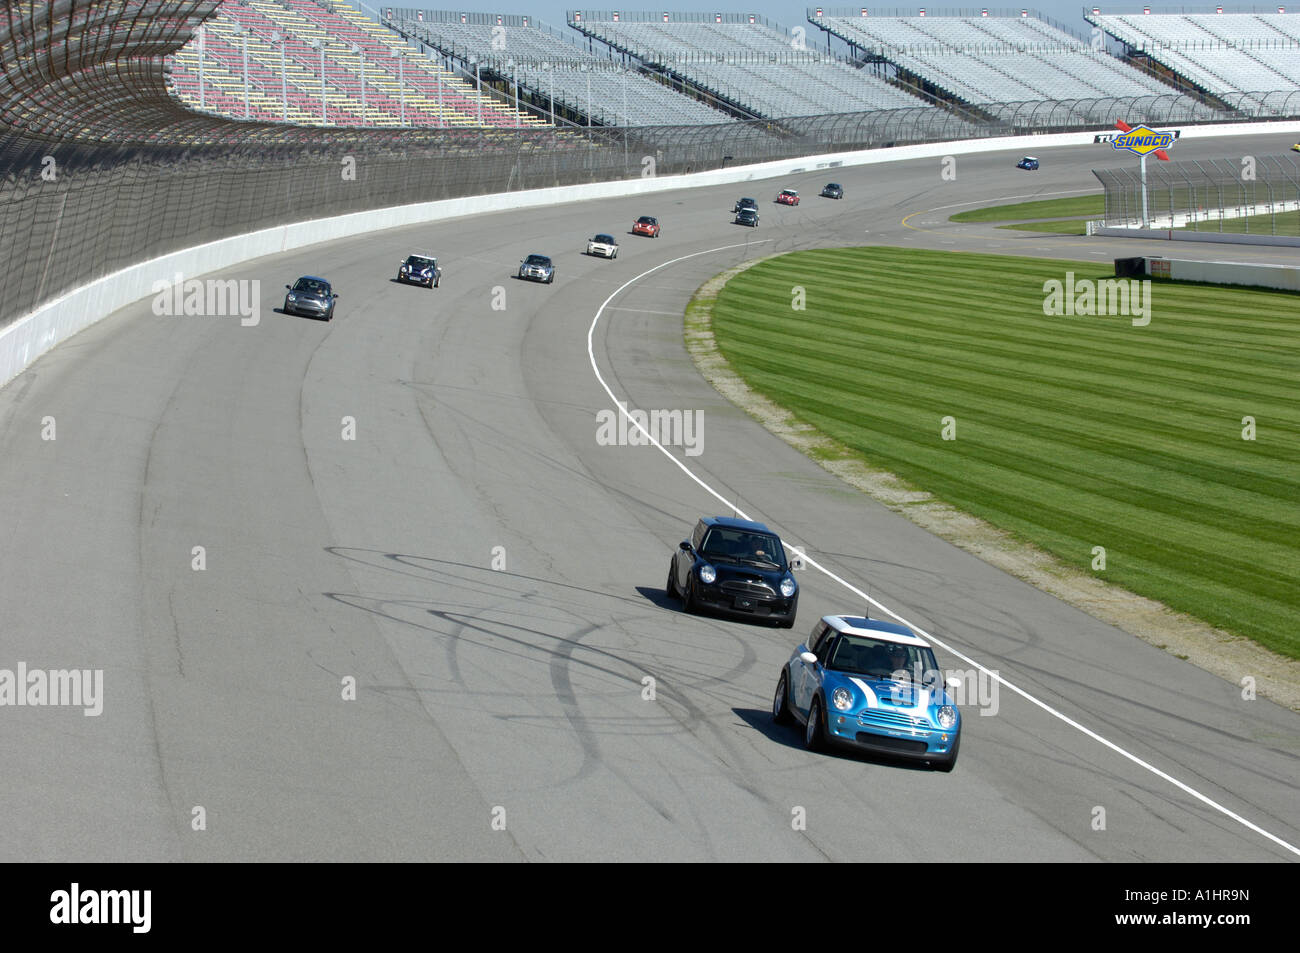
(645, 225)
(788, 197)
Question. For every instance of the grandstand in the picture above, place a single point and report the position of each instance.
(1232, 56)
(371, 76)
(745, 60)
(557, 71)
(997, 62)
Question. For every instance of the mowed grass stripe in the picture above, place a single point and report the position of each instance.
(1078, 409)
(998, 460)
(1073, 431)
(1081, 521)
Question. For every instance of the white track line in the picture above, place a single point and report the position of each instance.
(622, 406)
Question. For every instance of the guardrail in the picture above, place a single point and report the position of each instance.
(23, 341)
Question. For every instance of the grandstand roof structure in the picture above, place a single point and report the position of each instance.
(1002, 61)
(745, 60)
(554, 67)
(1236, 57)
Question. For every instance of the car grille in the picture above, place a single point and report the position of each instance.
(891, 719)
(741, 587)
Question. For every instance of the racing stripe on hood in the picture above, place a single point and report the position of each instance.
(872, 700)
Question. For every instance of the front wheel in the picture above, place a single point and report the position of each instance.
(689, 602)
(781, 703)
(814, 738)
(670, 586)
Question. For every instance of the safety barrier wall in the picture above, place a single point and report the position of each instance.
(28, 338)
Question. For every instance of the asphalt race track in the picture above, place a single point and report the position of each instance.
(515, 695)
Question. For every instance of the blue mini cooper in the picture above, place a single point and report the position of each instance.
(869, 685)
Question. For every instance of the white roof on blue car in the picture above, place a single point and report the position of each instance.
(875, 628)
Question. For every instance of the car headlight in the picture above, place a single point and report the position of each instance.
(947, 716)
(292, 299)
(842, 699)
(708, 575)
(787, 586)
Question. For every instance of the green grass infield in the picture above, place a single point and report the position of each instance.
(1071, 431)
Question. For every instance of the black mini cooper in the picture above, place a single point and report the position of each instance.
(736, 567)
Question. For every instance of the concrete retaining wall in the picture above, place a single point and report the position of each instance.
(29, 337)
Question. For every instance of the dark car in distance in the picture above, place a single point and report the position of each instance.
(310, 296)
(735, 567)
(833, 190)
(420, 270)
(742, 204)
(747, 216)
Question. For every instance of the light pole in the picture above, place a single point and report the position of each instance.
(241, 32)
(324, 113)
(401, 83)
(514, 80)
(284, 74)
(588, 72)
(478, 86)
(442, 116)
(361, 54)
(203, 42)
(550, 90)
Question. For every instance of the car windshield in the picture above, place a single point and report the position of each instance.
(537, 260)
(415, 261)
(880, 658)
(744, 546)
(604, 239)
(311, 286)
(646, 220)
(789, 192)
(833, 185)
(748, 202)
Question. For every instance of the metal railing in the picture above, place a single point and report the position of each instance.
(1247, 194)
(100, 168)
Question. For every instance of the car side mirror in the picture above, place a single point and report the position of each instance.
(808, 657)
(288, 287)
(953, 682)
(796, 560)
(684, 546)
(335, 297)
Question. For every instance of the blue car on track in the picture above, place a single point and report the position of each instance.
(1028, 163)
(870, 685)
